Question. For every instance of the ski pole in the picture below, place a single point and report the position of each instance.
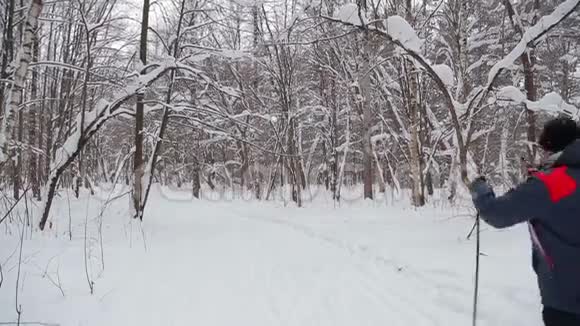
(476, 285)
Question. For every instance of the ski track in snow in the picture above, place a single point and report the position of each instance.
(391, 297)
(389, 300)
(253, 264)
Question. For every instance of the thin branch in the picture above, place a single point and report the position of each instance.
(313, 42)
(432, 14)
(14, 205)
(160, 38)
(18, 306)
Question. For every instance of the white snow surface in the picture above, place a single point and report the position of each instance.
(445, 73)
(399, 29)
(240, 262)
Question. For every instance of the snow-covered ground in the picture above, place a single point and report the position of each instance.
(262, 264)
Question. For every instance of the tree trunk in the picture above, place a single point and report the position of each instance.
(333, 145)
(138, 166)
(84, 99)
(415, 124)
(415, 155)
(528, 61)
(8, 52)
(18, 81)
(381, 179)
(531, 93)
(293, 165)
(364, 98)
(429, 183)
(164, 117)
(32, 125)
(196, 179)
(17, 172)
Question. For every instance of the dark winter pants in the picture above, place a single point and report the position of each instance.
(553, 317)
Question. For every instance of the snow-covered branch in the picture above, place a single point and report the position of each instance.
(93, 121)
(399, 32)
(551, 102)
(529, 38)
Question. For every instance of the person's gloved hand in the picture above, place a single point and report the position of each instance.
(479, 188)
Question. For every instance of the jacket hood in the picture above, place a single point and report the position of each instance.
(570, 156)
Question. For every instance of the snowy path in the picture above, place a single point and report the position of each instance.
(242, 264)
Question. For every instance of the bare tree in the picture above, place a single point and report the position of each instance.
(138, 163)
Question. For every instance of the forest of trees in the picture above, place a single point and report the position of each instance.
(257, 96)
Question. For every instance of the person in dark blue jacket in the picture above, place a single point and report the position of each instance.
(549, 201)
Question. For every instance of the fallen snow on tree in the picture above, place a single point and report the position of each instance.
(551, 102)
(349, 13)
(511, 93)
(445, 74)
(400, 30)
